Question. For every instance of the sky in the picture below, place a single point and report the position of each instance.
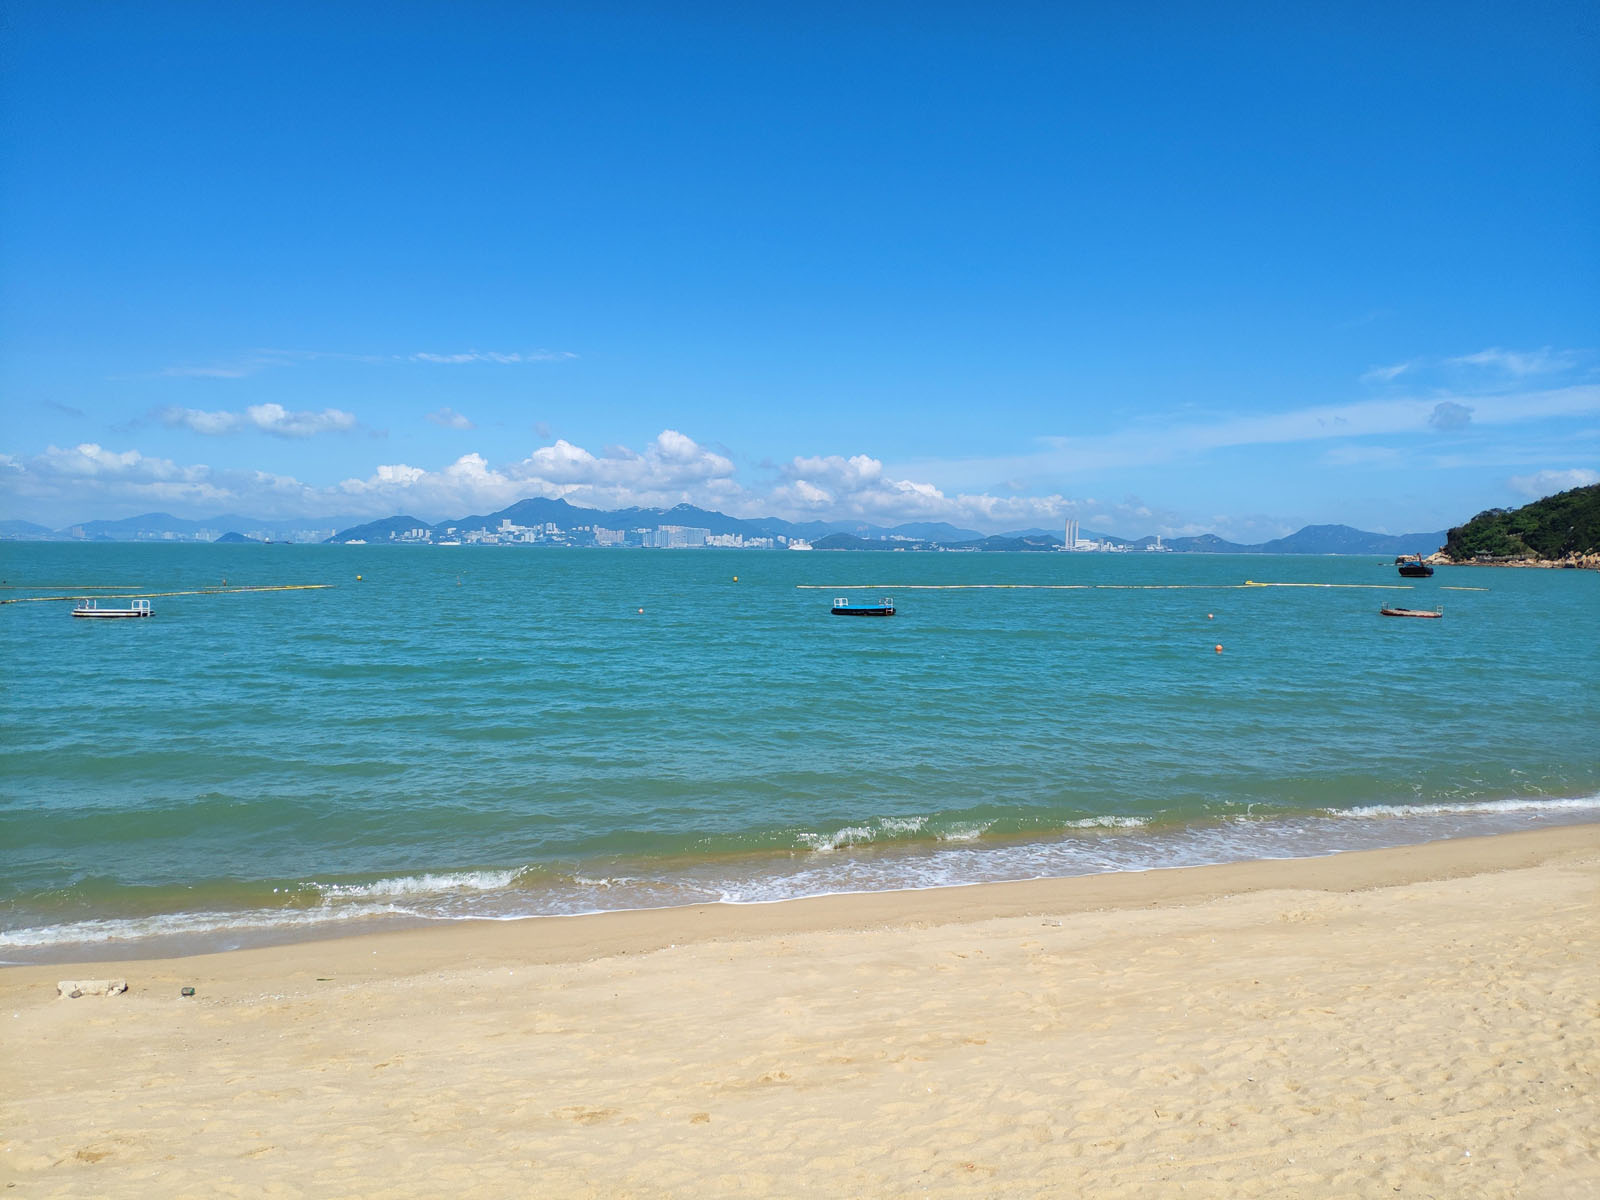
(1173, 268)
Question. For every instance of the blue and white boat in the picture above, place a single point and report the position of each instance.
(89, 608)
(843, 608)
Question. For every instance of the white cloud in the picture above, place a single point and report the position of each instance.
(673, 469)
(89, 473)
(836, 487)
(1548, 483)
(265, 418)
(449, 418)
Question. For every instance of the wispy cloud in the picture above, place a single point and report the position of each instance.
(1387, 374)
(233, 370)
(253, 362)
(263, 418)
(1548, 483)
(1544, 361)
(449, 418)
(1494, 363)
(1177, 441)
(491, 356)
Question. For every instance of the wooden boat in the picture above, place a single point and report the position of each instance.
(1411, 612)
(91, 608)
(1412, 567)
(843, 608)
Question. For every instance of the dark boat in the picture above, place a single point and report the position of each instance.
(1412, 567)
(843, 608)
(1411, 612)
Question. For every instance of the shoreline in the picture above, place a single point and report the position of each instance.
(449, 898)
(1581, 562)
(1418, 1020)
(554, 939)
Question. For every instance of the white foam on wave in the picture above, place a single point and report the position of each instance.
(426, 884)
(903, 824)
(827, 843)
(1470, 807)
(1109, 822)
(968, 831)
(114, 929)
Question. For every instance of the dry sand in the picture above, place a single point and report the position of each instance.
(1416, 1022)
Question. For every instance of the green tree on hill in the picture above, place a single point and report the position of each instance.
(1555, 527)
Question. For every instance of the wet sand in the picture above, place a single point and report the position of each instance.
(1422, 1021)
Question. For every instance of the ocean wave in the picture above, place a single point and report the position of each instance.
(905, 825)
(1469, 807)
(114, 929)
(878, 829)
(1109, 822)
(964, 831)
(426, 884)
(826, 843)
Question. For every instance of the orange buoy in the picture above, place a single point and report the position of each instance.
(1210, 616)
(641, 610)
(1219, 647)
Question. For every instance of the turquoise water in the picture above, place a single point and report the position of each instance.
(502, 732)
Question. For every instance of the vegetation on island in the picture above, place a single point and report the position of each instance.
(1566, 525)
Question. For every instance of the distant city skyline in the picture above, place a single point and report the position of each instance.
(1234, 272)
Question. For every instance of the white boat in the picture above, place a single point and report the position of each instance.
(91, 608)
(843, 608)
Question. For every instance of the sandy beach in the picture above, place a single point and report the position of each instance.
(1417, 1022)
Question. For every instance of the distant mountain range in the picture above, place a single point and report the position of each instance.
(1316, 539)
(538, 513)
(153, 527)
(855, 535)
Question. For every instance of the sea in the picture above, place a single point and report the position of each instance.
(438, 733)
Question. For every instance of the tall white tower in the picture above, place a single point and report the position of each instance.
(1072, 534)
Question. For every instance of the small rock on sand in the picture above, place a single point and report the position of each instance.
(71, 989)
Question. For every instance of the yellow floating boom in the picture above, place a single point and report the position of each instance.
(228, 591)
(1077, 587)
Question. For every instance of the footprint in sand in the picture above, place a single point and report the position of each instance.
(583, 1115)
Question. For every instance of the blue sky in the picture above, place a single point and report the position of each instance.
(1165, 268)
